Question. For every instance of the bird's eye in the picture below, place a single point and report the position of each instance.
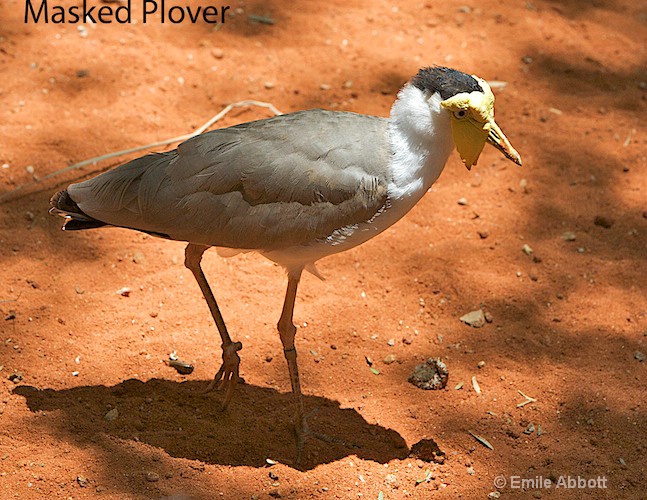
(460, 114)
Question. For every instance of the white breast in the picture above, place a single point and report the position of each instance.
(421, 141)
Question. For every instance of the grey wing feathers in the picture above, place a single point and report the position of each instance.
(262, 185)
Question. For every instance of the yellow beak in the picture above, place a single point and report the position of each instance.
(498, 139)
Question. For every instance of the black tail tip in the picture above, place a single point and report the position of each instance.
(75, 218)
(62, 202)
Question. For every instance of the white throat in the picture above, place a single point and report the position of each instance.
(421, 141)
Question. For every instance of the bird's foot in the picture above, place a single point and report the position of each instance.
(228, 377)
(304, 434)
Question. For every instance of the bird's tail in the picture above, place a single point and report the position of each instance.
(75, 218)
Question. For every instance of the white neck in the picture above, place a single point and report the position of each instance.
(421, 141)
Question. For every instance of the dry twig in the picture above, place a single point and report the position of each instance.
(527, 401)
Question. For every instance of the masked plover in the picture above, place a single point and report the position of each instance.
(294, 188)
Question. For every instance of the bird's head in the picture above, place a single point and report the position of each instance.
(470, 103)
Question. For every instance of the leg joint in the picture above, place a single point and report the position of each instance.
(290, 354)
(193, 255)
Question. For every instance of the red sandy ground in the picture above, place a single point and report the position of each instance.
(565, 326)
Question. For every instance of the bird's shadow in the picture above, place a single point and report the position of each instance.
(187, 423)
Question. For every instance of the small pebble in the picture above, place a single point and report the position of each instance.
(269, 85)
(527, 250)
(568, 236)
(481, 364)
(433, 374)
(217, 53)
(488, 316)
(391, 480)
(462, 201)
(111, 415)
(273, 476)
(138, 258)
(494, 494)
(475, 319)
(640, 356)
(483, 234)
(391, 342)
(390, 359)
(152, 477)
(602, 221)
(82, 480)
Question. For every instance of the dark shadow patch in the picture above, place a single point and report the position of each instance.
(180, 419)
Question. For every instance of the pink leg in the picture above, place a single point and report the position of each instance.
(287, 331)
(227, 376)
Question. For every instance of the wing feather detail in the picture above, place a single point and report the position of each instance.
(284, 181)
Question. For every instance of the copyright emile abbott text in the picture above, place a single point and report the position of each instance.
(45, 11)
(540, 482)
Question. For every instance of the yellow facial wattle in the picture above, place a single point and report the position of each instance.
(472, 122)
